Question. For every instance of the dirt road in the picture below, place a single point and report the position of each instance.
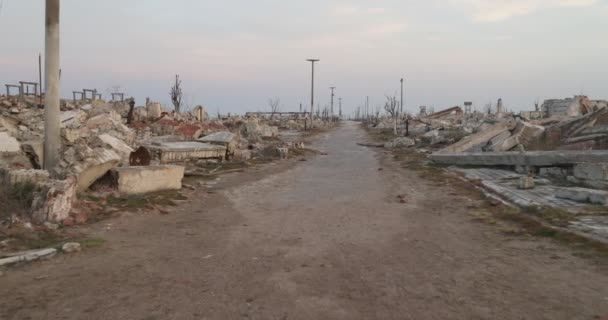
(325, 239)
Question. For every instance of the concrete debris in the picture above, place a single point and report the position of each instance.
(27, 256)
(171, 152)
(283, 153)
(21, 176)
(94, 167)
(71, 247)
(55, 202)
(401, 142)
(8, 144)
(140, 180)
(583, 195)
(98, 142)
(223, 138)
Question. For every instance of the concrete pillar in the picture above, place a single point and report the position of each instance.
(52, 139)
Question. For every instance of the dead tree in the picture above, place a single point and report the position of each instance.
(176, 94)
(275, 105)
(391, 106)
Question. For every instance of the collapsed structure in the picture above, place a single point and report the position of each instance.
(556, 155)
(139, 149)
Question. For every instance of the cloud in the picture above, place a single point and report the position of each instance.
(501, 10)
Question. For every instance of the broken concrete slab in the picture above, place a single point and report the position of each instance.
(38, 177)
(186, 151)
(9, 144)
(531, 158)
(141, 180)
(480, 138)
(591, 171)
(504, 183)
(118, 145)
(224, 138)
(27, 256)
(95, 166)
(55, 204)
(583, 195)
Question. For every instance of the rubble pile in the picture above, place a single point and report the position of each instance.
(140, 149)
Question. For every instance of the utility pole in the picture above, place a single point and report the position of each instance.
(401, 111)
(340, 106)
(52, 139)
(332, 101)
(312, 90)
(367, 108)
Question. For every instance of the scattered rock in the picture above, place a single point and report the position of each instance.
(401, 142)
(71, 247)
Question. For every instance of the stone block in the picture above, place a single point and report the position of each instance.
(94, 167)
(141, 180)
(55, 204)
(8, 144)
(186, 151)
(591, 171)
(118, 145)
(38, 177)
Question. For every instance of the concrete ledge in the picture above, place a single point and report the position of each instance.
(185, 151)
(140, 180)
(532, 158)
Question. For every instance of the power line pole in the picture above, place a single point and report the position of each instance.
(401, 111)
(312, 90)
(340, 106)
(332, 101)
(52, 139)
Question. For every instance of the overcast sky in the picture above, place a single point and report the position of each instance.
(234, 54)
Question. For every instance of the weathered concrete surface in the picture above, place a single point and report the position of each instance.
(224, 138)
(505, 184)
(326, 238)
(27, 256)
(583, 195)
(591, 171)
(479, 138)
(186, 151)
(8, 144)
(531, 158)
(116, 144)
(140, 180)
(37, 177)
(401, 142)
(56, 203)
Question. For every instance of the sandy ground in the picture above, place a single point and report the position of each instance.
(323, 239)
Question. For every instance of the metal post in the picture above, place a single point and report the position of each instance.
(312, 91)
(52, 139)
(332, 101)
(340, 106)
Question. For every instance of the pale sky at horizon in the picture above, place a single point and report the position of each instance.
(235, 54)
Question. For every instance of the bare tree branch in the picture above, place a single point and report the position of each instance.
(176, 94)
